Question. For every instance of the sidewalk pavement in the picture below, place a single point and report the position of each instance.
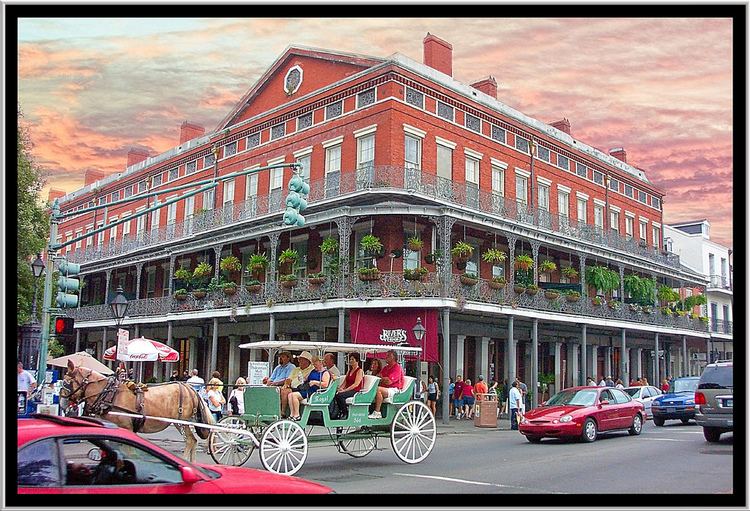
(462, 426)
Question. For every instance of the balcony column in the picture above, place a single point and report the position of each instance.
(271, 283)
(582, 279)
(512, 240)
(193, 353)
(104, 345)
(573, 372)
(482, 354)
(656, 360)
(271, 327)
(444, 226)
(78, 340)
(342, 313)
(446, 364)
(344, 226)
(234, 361)
(170, 343)
(594, 351)
(582, 376)
(535, 257)
(639, 360)
(656, 300)
(172, 259)
(460, 340)
(217, 260)
(607, 361)
(624, 353)
(622, 285)
(214, 346)
(534, 361)
(685, 361)
(138, 272)
(559, 384)
(106, 286)
(511, 350)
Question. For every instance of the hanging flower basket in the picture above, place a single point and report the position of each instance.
(461, 265)
(415, 274)
(519, 289)
(469, 279)
(573, 296)
(368, 274)
(288, 281)
(524, 262)
(414, 244)
(462, 252)
(497, 283)
(230, 289)
(551, 294)
(181, 295)
(199, 294)
(596, 301)
(254, 288)
(316, 279)
(532, 290)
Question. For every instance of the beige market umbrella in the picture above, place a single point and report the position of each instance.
(80, 359)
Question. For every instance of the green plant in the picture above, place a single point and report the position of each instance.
(602, 279)
(614, 305)
(704, 319)
(230, 264)
(252, 282)
(472, 276)
(433, 257)
(415, 274)
(647, 309)
(462, 251)
(667, 311)
(666, 294)
(257, 263)
(547, 267)
(694, 301)
(524, 262)
(183, 274)
(569, 272)
(291, 277)
(215, 285)
(397, 252)
(288, 256)
(316, 275)
(493, 256)
(181, 291)
(499, 280)
(597, 300)
(640, 289)
(371, 244)
(414, 243)
(229, 285)
(329, 246)
(367, 271)
(572, 293)
(203, 270)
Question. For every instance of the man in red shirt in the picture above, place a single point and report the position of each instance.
(391, 381)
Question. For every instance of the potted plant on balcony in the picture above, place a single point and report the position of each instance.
(199, 293)
(551, 294)
(415, 274)
(524, 262)
(329, 246)
(462, 252)
(287, 259)
(229, 288)
(704, 319)
(647, 309)
(497, 283)
(183, 276)
(493, 256)
(433, 257)
(397, 252)
(572, 296)
(666, 295)
(288, 281)
(547, 267)
(469, 279)
(597, 301)
(532, 289)
(519, 288)
(202, 274)
(634, 307)
(414, 244)
(230, 265)
(570, 272)
(181, 294)
(367, 274)
(614, 305)
(316, 279)
(371, 245)
(257, 264)
(253, 286)
(602, 279)
(666, 311)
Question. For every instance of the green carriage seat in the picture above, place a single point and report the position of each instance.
(323, 398)
(405, 394)
(367, 394)
(262, 403)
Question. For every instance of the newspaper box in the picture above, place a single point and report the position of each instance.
(485, 411)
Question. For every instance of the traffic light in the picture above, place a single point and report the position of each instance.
(295, 203)
(67, 285)
(64, 326)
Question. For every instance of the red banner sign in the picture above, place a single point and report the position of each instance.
(373, 326)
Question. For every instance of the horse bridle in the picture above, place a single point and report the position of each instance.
(67, 390)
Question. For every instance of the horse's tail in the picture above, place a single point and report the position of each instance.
(204, 415)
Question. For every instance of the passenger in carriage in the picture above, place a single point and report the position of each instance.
(282, 371)
(375, 366)
(353, 383)
(391, 381)
(296, 378)
(319, 378)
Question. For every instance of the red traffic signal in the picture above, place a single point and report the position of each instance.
(64, 326)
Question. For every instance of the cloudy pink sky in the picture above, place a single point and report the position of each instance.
(661, 88)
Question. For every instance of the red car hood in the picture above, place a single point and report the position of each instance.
(551, 412)
(248, 480)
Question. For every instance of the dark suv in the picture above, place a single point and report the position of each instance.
(714, 400)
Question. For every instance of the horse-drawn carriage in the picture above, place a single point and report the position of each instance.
(283, 443)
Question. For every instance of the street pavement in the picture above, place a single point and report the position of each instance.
(467, 459)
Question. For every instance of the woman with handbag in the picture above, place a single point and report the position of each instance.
(215, 398)
(319, 378)
(237, 397)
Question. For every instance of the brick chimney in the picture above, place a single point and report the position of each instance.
(189, 131)
(438, 54)
(487, 85)
(619, 153)
(92, 175)
(562, 125)
(55, 193)
(136, 155)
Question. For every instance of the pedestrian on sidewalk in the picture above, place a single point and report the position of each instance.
(609, 382)
(618, 384)
(451, 388)
(458, 396)
(505, 395)
(468, 399)
(515, 400)
(480, 388)
(433, 392)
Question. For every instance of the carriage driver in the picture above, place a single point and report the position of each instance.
(391, 381)
(282, 371)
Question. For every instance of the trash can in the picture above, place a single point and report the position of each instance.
(485, 411)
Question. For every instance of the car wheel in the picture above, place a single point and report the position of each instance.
(637, 426)
(685, 421)
(534, 439)
(658, 421)
(711, 434)
(589, 431)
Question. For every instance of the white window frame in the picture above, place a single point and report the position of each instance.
(498, 176)
(656, 235)
(629, 225)
(208, 199)
(78, 233)
(598, 215)
(582, 206)
(228, 192)
(276, 179)
(155, 217)
(126, 229)
(333, 159)
(366, 143)
(418, 143)
(563, 202)
(522, 180)
(614, 220)
(642, 225)
(543, 192)
(446, 147)
(251, 184)
(171, 212)
(472, 169)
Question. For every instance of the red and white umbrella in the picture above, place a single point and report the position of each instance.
(142, 349)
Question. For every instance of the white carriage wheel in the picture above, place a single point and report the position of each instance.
(413, 432)
(227, 448)
(356, 447)
(283, 447)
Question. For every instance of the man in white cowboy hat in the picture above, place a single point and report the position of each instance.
(296, 378)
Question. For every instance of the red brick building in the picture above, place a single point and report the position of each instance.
(397, 149)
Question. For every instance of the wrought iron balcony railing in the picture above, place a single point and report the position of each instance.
(719, 281)
(721, 326)
(381, 178)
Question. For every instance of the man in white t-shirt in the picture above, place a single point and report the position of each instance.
(196, 381)
(515, 403)
(26, 382)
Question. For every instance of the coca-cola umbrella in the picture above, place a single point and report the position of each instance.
(142, 349)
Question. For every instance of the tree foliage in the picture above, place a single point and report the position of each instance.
(33, 225)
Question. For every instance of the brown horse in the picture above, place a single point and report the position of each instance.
(174, 400)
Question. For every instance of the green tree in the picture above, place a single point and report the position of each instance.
(33, 225)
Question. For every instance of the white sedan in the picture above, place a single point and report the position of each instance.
(645, 395)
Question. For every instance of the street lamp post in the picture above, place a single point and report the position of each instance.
(37, 268)
(119, 305)
(419, 332)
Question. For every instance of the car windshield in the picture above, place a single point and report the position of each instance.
(631, 392)
(683, 386)
(573, 398)
(717, 377)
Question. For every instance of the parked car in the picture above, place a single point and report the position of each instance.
(62, 455)
(643, 394)
(583, 412)
(677, 403)
(714, 400)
